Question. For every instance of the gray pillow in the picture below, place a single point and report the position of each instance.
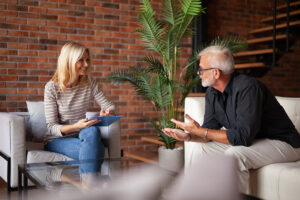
(37, 120)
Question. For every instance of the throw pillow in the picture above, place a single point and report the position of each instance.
(37, 120)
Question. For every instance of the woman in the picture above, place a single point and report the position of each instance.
(67, 97)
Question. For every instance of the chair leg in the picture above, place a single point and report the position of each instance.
(7, 158)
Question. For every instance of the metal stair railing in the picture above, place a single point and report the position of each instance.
(274, 28)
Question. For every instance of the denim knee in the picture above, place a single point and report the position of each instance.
(91, 134)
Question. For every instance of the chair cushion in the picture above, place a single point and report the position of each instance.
(276, 181)
(37, 120)
(38, 156)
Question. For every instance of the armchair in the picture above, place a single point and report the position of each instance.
(17, 147)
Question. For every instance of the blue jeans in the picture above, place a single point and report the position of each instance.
(88, 146)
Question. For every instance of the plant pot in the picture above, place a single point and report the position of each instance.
(171, 159)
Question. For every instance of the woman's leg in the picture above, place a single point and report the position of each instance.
(66, 146)
(92, 149)
(87, 147)
(91, 146)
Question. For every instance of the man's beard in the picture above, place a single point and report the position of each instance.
(208, 81)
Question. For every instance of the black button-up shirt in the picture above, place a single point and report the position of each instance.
(248, 110)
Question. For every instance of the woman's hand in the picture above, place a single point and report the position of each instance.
(108, 112)
(191, 126)
(178, 134)
(84, 123)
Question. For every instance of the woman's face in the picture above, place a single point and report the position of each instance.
(82, 64)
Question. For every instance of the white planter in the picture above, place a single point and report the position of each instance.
(171, 159)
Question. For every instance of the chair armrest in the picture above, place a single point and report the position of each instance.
(195, 107)
(111, 138)
(12, 143)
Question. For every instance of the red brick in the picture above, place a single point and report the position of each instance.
(76, 37)
(27, 53)
(8, 52)
(16, 84)
(8, 78)
(29, 28)
(27, 91)
(49, 29)
(17, 46)
(16, 20)
(17, 71)
(37, 59)
(45, 78)
(48, 53)
(16, 98)
(17, 59)
(8, 91)
(26, 65)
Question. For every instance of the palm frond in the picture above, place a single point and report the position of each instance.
(170, 142)
(150, 29)
(191, 7)
(234, 43)
(168, 13)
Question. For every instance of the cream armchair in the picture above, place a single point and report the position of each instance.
(275, 181)
(17, 147)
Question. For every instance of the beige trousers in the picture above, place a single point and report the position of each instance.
(260, 153)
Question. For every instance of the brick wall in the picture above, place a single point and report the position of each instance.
(32, 33)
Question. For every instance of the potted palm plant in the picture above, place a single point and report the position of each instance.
(162, 80)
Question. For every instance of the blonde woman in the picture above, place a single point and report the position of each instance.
(67, 97)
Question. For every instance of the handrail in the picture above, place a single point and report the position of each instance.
(274, 32)
(287, 25)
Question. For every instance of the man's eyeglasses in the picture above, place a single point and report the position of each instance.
(201, 70)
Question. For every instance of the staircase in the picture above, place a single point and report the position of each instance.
(261, 55)
(254, 61)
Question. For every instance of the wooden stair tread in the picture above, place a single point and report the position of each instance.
(249, 65)
(269, 28)
(196, 95)
(253, 52)
(285, 5)
(280, 16)
(156, 140)
(266, 39)
(148, 157)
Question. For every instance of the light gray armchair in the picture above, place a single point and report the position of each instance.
(17, 146)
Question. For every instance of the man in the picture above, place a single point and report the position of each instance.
(257, 130)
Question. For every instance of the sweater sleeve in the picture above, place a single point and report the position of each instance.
(51, 110)
(100, 98)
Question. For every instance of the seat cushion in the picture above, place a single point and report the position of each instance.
(276, 181)
(37, 156)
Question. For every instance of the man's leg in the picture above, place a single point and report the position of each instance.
(197, 149)
(261, 153)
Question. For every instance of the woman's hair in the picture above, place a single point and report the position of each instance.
(225, 64)
(66, 74)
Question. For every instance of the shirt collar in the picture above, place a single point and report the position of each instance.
(228, 88)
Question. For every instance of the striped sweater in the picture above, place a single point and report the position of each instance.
(68, 107)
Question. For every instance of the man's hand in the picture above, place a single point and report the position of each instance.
(84, 123)
(192, 126)
(108, 112)
(178, 134)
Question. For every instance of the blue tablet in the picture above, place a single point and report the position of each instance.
(105, 120)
